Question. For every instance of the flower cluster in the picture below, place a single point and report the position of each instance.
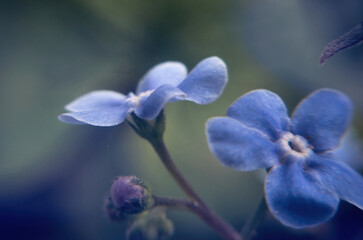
(305, 181)
(166, 82)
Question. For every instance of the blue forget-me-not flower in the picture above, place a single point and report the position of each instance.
(305, 181)
(166, 82)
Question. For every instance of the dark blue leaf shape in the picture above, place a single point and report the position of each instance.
(349, 39)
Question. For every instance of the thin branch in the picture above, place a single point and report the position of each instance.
(198, 207)
(254, 221)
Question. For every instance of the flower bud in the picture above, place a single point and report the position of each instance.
(154, 225)
(131, 195)
(111, 211)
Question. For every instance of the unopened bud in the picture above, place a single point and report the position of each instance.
(111, 211)
(154, 225)
(131, 195)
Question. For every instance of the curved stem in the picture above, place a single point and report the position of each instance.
(179, 203)
(255, 220)
(198, 207)
(165, 157)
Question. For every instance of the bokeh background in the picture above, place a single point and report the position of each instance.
(53, 176)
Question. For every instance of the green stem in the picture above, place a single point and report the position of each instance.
(198, 207)
(255, 220)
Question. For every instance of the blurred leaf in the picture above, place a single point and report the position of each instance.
(349, 39)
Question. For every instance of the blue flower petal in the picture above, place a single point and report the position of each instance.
(262, 110)
(150, 107)
(350, 150)
(296, 198)
(102, 117)
(322, 118)
(338, 178)
(171, 73)
(206, 81)
(96, 100)
(238, 146)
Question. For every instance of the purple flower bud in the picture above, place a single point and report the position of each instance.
(111, 211)
(131, 195)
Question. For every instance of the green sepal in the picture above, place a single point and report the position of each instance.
(151, 130)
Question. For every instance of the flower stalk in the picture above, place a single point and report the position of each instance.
(199, 207)
(255, 220)
(153, 132)
(206, 214)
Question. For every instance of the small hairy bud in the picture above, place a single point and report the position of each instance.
(131, 195)
(111, 211)
(154, 225)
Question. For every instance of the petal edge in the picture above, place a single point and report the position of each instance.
(263, 110)
(339, 178)
(171, 73)
(96, 100)
(295, 197)
(322, 118)
(206, 82)
(239, 147)
(103, 118)
(150, 107)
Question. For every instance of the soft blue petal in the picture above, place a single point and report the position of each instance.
(68, 118)
(171, 73)
(238, 146)
(96, 100)
(102, 117)
(206, 81)
(150, 107)
(322, 118)
(296, 198)
(338, 178)
(262, 110)
(350, 150)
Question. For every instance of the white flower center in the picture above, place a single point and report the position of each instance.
(294, 146)
(136, 99)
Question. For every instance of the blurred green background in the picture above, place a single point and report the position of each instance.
(53, 176)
